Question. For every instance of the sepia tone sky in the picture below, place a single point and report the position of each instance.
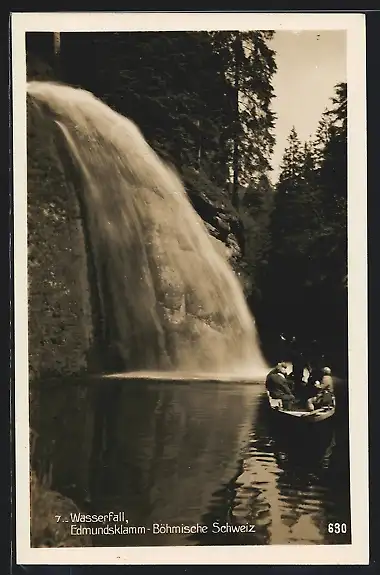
(309, 64)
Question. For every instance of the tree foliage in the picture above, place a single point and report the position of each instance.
(202, 100)
(305, 285)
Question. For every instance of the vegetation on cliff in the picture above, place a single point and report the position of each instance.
(45, 506)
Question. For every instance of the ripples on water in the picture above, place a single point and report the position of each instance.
(193, 452)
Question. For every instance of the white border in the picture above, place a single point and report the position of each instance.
(354, 24)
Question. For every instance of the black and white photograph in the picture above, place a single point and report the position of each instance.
(190, 288)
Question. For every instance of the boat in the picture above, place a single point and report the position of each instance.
(302, 414)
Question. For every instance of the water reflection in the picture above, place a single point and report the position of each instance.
(192, 452)
(63, 422)
(282, 482)
(176, 444)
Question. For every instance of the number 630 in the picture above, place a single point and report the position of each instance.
(337, 528)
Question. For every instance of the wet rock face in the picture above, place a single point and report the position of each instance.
(214, 206)
(60, 321)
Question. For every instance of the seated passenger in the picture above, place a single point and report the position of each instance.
(279, 387)
(325, 391)
(327, 383)
(302, 391)
(315, 375)
(300, 388)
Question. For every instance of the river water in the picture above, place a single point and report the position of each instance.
(189, 452)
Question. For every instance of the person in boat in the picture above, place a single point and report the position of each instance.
(325, 391)
(316, 366)
(297, 357)
(309, 389)
(279, 386)
(315, 370)
(300, 385)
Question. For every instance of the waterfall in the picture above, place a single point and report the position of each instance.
(168, 297)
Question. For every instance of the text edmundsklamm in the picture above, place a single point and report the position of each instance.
(161, 529)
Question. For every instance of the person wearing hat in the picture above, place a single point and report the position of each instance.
(278, 385)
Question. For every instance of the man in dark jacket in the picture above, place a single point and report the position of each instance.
(325, 391)
(278, 386)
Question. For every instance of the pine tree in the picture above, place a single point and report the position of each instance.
(282, 281)
(332, 182)
(290, 183)
(248, 68)
(255, 209)
(201, 99)
(305, 289)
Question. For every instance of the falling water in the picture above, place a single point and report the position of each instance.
(169, 299)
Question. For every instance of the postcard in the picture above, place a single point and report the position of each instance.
(190, 275)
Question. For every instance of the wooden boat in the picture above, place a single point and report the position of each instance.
(301, 415)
